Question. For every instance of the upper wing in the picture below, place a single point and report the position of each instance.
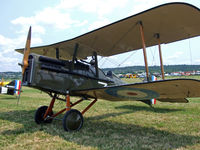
(175, 90)
(173, 21)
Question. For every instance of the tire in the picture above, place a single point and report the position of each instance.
(73, 120)
(40, 113)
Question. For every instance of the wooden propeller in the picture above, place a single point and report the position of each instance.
(25, 59)
(26, 52)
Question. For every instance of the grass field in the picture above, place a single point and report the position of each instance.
(107, 125)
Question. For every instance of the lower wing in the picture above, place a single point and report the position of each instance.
(175, 90)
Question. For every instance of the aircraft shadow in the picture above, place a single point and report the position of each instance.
(8, 98)
(134, 108)
(107, 115)
(102, 133)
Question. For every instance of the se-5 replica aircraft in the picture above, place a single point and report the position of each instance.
(62, 69)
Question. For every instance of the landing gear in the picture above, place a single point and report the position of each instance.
(40, 113)
(73, 120)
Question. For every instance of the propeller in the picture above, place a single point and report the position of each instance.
(24, 64)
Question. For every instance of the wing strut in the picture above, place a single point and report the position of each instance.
(144, 49)
(96, 64)
(157, 35)
(74, 55)
(57, 53)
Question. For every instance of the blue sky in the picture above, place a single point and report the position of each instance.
(57, 20)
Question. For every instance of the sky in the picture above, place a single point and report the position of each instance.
(57, 20)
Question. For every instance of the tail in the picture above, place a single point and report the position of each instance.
(153, 101)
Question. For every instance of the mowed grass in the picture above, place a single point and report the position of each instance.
(107, 125)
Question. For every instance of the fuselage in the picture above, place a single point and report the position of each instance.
(60, 76)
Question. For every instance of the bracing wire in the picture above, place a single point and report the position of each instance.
(121, 38)
(127, 58)
(112, 61)
(153, 56)
(101, 58)
(103, 62)
(117, 64)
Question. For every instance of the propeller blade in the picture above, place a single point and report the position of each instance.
(26, 52)
(25, 60)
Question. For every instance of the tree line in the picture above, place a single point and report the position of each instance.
(124, 70)
(153, 69)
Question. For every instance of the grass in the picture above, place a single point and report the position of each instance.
(107, 125)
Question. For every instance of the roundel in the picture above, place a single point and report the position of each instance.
(131, 93)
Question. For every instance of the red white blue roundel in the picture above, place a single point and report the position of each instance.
(127, 93)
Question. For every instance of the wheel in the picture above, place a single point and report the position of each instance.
(73, 120)
(40, 113)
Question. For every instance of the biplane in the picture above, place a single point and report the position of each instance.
(61, 69)
(10, 88)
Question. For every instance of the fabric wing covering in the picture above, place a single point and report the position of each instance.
(174, 90)
(173, 21)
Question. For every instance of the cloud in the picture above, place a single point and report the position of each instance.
(48, 16)
(98, 7)
(175, 55)
(197, 61)
(147, 4)
(4, 40)
(55, 17)
(25, 22)
(98, 24)
(12, 43)
(64, 15)
(10, 58)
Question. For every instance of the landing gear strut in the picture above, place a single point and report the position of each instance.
(72, 120)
